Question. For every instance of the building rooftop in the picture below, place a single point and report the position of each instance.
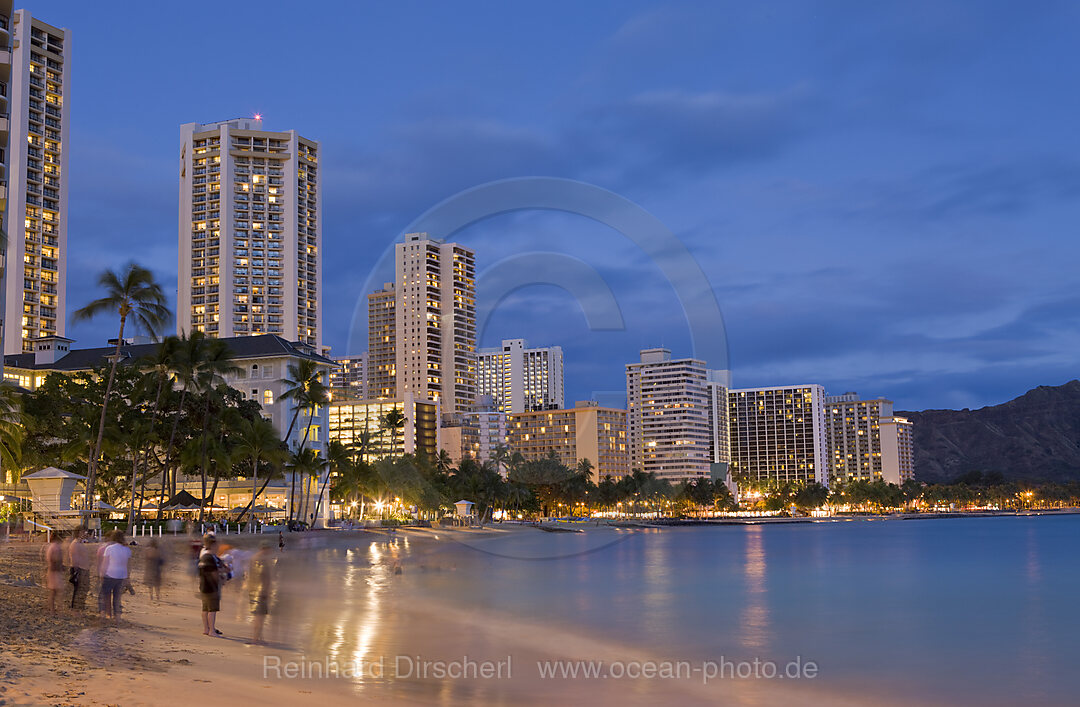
(242, 347)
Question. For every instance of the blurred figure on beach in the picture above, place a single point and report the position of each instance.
(116, 558)
(196, 547)
(155, 565)
(280, 541)
(237, 560)
(210, 579)
(99, 564)
(259, 585)
(78, 556)
(54, 569)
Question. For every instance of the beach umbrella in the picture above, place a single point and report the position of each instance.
(183, 501)
(102, 506)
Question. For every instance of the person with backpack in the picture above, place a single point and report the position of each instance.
(210, 580)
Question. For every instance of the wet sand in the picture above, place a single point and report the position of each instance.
(157, 655)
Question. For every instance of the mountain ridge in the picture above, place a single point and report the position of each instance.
(1033, 437)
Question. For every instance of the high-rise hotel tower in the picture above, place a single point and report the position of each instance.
(250, 232)
(669, 416)
(520, 379)
(434, 305)
(35, 119)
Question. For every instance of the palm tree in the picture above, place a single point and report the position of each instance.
(501, 456)
(516, 495)
(365, 443)
(257, 440)
(132, 294)
(444, 463)
(392, 422)
(137, 436)
(305, 387)
(210, 372)
(186, 359)
(337, 463)
(11, 428)
(355, 481)
(158, 366)
(305, 463)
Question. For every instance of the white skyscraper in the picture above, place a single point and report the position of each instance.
(435, 322)
(250, 232)
(668, 416)
(521, 379)
(37, 108)
(718, 384)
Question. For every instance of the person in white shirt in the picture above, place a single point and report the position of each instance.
(114, 573)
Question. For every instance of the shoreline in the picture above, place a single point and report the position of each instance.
(157, 651)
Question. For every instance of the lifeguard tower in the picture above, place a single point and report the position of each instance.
(50, 496)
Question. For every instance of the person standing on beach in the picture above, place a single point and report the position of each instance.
(280, 542)
(116, 558)
(210, 585)
(54, 570)
(155, 562)
(260, 582)
(79, 560)
(106, 542)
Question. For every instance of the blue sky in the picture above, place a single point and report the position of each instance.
(884, 196)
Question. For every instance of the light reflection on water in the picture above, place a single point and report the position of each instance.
(931, 610)
(755, 623)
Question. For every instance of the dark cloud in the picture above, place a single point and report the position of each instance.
(661, 134)
(882, 196)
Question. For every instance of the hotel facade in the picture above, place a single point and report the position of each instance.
(777, 434)
(669, 416)
(350, 419)
(382, 343)
(250, 232)
(585, 431)
(350, 376)
(520, 379)
(435, 322)
(36, 119)
(866, 441)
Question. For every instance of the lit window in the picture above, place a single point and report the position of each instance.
(268, 397)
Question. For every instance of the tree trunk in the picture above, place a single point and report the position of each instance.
(202, 466)
(269, 478)
(299, 451)
(322, 488)
(292, 479)
(305, 490)
(146, 453)
(91, 481)
(254, 488)
(134, 475)
(217, 473)
(166, 471)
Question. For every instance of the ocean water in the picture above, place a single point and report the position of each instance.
(950, 611)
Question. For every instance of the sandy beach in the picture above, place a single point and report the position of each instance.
(157, 653)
